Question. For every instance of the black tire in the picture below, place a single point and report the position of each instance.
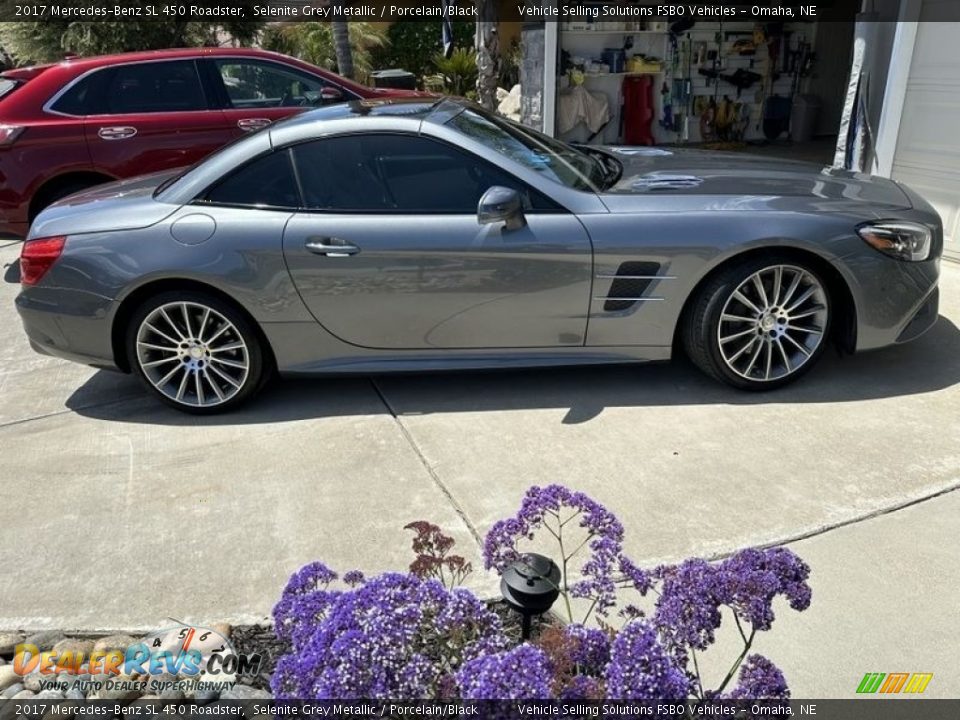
(701, 328)
(209, 380)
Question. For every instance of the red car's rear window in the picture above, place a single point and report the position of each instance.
(7, 86)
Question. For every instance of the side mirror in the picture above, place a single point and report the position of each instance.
(501, 204)
(330, 95)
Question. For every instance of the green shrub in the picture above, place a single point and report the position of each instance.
(459, 70)
(414, 44)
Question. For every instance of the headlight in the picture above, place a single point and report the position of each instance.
(898, 239)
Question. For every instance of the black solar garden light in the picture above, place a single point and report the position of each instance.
(530, 586)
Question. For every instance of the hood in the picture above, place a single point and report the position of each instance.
(123, 205)
(699, 172)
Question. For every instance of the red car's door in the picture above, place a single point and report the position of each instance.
(153, 116)
(258, 92)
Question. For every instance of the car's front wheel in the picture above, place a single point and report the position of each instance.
(195, 352)
(759, 324)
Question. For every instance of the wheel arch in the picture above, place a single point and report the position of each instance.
(48, 189)
(138, 296)
(843, 333)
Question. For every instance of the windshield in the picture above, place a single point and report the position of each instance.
(538, 152)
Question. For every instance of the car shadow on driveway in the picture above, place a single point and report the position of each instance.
(11, 273)
(927, 365)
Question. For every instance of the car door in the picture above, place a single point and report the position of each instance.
(255, 93)
(388, 252)
(151, 116)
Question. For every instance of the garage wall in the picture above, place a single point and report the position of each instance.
(591, 44)
(927, 156)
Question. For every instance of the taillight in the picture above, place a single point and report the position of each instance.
(9, 133)
(37, 256)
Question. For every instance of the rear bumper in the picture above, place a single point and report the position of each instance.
(82, 337)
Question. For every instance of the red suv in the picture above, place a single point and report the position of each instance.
(84, 121)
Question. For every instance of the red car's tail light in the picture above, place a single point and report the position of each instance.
(9, 133)
(37, 256)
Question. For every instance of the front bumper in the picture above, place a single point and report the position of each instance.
(895, 301)
(923, 319)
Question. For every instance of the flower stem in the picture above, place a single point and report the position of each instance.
(696, 668)
(566, 589)
(746, 648)
(589, 611)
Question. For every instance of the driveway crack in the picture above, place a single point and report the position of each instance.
(867, 516)
(824, 529)
(458, 508)
(66, 411)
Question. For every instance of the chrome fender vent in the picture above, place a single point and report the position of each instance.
(629, 284)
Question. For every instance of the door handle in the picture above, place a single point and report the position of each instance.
(251, 124)
(331, 247)
(117, 132)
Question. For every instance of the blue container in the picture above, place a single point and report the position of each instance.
(615, 59)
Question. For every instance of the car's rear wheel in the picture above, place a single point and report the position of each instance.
(759, 324)
(195, 352)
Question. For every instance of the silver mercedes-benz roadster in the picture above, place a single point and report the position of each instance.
(428, 234)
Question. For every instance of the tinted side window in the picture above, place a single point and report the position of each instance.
(84, 97)
(267, 181)
(74, 100)
(154, 87)
(8, 86)
(400, 173)
(253, 84)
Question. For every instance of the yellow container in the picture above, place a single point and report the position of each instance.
(637, 65)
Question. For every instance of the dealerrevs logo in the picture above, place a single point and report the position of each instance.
(894, 683)
(190, 654)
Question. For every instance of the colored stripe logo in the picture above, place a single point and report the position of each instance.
(893, 683)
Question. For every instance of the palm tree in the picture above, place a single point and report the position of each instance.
(315, 43)
(488, 53)
(341, 44)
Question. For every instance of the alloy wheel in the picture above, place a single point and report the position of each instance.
(773, 323)
(192, 354)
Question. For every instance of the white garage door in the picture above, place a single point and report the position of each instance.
(928, 145)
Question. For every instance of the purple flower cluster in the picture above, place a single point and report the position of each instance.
(641, 669)
(688, 609)
(692, 593)
(583, 687)
(393, 636)
(304, 601)
(407, 636)
(314, 576)
(521, 673)
(641, 580)
(760, 679)
(590, 648)
(604, 539)
(353, 578)
(753, 578)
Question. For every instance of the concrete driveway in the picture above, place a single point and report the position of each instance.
(116, 512)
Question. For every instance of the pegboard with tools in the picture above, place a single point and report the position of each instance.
(734, 81)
